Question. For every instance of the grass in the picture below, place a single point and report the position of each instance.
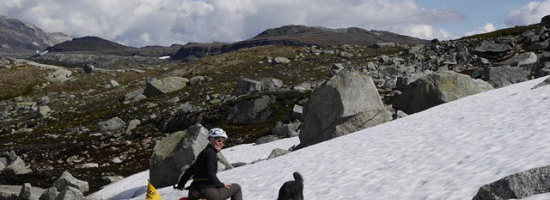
(19, 81)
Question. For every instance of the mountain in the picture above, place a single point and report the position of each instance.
(447, 152)
(327, 36)
(88, 43)
(299, 35)
(17, 37)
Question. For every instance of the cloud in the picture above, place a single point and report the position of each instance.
(165, 22)
(529, 14)
(488, 27)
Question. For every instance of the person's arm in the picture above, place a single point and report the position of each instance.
(212, 169)
(185, 177)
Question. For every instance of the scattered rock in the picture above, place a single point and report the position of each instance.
(157, 87)
(489, 49)
(517, 186)
(277, 152)
(504, 75)
(114, 123)
(116, 160)
(251, 111)
(271, 84)
(89, 165)
(246, 86)
(196, 80)
(132, 125)
(281, 60)
(112, 179)
(67, 181)
(112, 84)
(59, 76)
(266, 139)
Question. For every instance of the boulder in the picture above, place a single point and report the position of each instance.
(114, 123)
(184, 117)
(492, 50)
(527, 58)
(277, 152)
(344, 96)
(49, 194)
(544, 45)
(251, 111)
(13, 163)
(157, 87)
(504, 75)
(25, 193)
(44, 111)
(545, 21)
(70, 194)
(59, 76)
(266, 139)
(196, 80)
(271, 84)
(437, 88)
(67, 181)
(281, 60)
(286, 130)
(173, 154)
(517, 186)
(112, 84)
(132, 95)
(132, 125)
(246, 86)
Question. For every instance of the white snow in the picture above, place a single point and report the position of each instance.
(164, 57)
(446, 152)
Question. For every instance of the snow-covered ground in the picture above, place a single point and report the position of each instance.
(446, 152)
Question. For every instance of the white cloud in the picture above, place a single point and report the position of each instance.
(529, 14)
(164, 22)
(488, 27)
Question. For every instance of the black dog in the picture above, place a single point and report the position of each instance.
(292, 190)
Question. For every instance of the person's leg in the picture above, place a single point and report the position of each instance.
(234, 192)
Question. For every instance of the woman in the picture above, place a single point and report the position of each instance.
(205, 182)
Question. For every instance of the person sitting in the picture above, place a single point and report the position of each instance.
(205, 182)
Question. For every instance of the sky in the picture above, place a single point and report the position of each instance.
(446, 152)
(164, 22)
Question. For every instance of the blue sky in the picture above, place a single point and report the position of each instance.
(165, 22)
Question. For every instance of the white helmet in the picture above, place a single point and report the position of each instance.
(217, 132)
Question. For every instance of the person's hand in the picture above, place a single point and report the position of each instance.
(227, 185)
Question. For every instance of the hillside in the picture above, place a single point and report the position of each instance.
(447, 152)
(88, 43)
(299, 35)
(21, 38)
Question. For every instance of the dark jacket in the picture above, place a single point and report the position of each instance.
(203, 170)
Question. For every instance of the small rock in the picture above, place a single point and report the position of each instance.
(281, 60)
(266, 139)
(112, 124)
(116, 160)
(89, 165)
(277, 152)
(112, 179)
(132, 125)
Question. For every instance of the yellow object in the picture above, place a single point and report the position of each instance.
(152, 193)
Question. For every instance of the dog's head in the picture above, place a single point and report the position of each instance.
(292, 190)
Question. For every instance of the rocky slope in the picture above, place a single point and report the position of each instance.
(299, 35)
(17, 37)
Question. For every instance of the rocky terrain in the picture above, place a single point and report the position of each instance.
(100, 121)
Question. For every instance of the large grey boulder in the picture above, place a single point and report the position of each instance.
(493, 50)
(157, 87)
(246, 86)
(517, 186)
(112, 124)
(437, 88)
(67, 180)
(504, 75)
(186, 116)
(59, 76)
(251, 111)
(175, 153)
(527, 58)
(338, 102)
